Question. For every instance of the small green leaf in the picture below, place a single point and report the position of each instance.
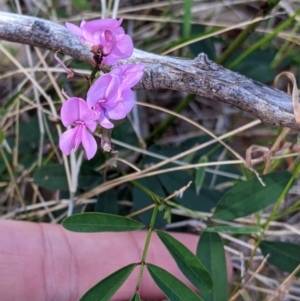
(172, 287)
(52, 177)
(200, 174)
(248, 197)
(187, 262)
(100, 222)
(234, 230)
(167, 215)
(161, 207)
(283, 255)
(136, 297)
(210, 251)
(107, 287)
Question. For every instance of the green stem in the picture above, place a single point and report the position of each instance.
(245, 33)
(262, 41)
(146, 247)
(93, 74)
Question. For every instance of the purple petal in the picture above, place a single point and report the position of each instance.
(123, 107)
(124, 47)
(82, 23)
(104, 122)
(105, 88)
(74, 29)
(108, 41)
(89, 144)
(67, 141)
(76, 109)
(128, 100)
(131, 74)
(123, 50)
(70, 111)
(87, 116)
(110, 59)
(102, 24)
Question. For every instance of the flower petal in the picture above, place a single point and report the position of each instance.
(123, 50)
(104, 122)
(128, 100)
(87, 116)
(70, 111)
(75, 29)
(124, 47)
(76, 109)
(89, 144)
(105, 88)
(67, 141)
(108, 42)
(131, 74)
(102, 24)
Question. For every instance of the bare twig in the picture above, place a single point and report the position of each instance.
(198, 76)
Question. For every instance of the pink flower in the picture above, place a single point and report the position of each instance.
(105, 37)
(75, 111)
(111, 96)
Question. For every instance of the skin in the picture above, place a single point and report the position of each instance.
(46, 262)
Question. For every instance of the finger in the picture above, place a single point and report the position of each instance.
(47, 262)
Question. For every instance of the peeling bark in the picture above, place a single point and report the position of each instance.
(198, 76)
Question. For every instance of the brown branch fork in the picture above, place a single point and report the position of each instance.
(199, 76)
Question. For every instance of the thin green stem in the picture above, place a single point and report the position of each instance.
(93, 74)
(286, 47)
(146, 247)
(263, 41)
(246, 32)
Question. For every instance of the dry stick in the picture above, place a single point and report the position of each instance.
(198, 76)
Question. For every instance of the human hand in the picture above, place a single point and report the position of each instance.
(46, 262)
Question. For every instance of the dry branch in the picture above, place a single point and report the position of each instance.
(198, 76)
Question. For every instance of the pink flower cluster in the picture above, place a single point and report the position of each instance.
(110, 97)
(104, 37)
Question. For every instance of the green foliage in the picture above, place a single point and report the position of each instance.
(88, 178)
(107, 202)
(257, 66)
(106, 288)
(142, 200)
(100, 222)
(52, 176)
(251, 196)
(136, 297)
(81, 4)
(187, 262)
(200, 174)
(283, 255)
(210, 251)
(234, 230)
(1, 136)
(187, 18)
(207, 199)
(173, 288)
